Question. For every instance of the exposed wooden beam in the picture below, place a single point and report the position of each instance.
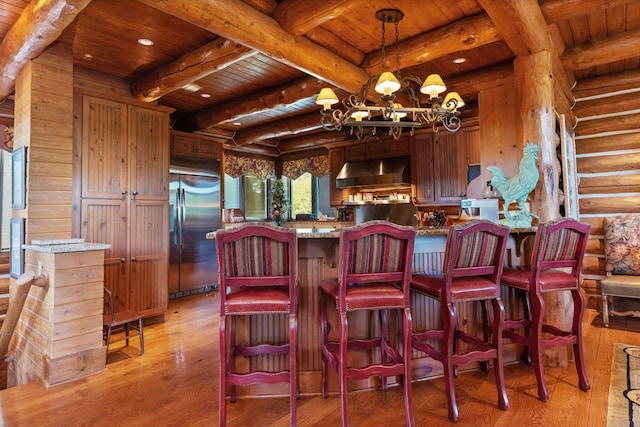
(465, 34)
(305, 142)
(278, 129)
(238, 21)
(253, 148)
(260, 102)
(610, 106)
(525, 30)
(299, 16)
(562, 10)
(614, 48)
(626, 80)
(208, 59)
(39, 25)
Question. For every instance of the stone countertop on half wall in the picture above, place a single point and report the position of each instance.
(334, 233)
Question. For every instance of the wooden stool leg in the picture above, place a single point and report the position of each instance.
(293, 368)
(406, 355)
(498, 321)
(342, 361)
(605, 310)
(578, 313)
(537, 307)
(449, 326)
(222, 393)
(325, 340)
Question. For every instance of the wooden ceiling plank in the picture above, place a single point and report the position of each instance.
(299, 16)
(238, 21)
(192, 66)
(38, 26)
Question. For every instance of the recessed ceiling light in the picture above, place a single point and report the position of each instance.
(237, 123)
(145, 42)
(88, 56)
(192, 87)
(460, 60)
(205, 95)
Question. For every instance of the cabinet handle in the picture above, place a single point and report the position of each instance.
(135, 193)
(124, 192)
(123, 260)
(134, 259)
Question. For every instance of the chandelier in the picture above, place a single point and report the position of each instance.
(388, 114)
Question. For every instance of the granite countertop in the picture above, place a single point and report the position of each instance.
(65, 245)
(332, 232)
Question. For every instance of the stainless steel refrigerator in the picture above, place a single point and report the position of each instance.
(194, 207)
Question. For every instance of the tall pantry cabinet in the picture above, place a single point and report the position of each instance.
(124, 199)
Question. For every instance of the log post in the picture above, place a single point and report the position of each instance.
(535, 86)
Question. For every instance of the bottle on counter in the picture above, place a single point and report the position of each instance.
(488, 192)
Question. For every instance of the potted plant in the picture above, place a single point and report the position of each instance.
(278, 201)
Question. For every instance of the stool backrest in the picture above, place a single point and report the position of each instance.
(257, 255)
(475, 249)
(622, 244)
(561, 243)
(376, 252)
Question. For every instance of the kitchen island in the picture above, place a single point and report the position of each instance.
(317, 259)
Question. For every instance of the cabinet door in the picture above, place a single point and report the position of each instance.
(148, 256)
(422, 169)
(336, 161)
(149, 154)
(448, 188)
(106, 221)
(207, 149)
(104, 149)
(182, 145)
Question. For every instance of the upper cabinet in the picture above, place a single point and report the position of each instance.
(186, 144)
(440, 163)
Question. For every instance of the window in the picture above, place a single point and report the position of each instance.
(5, 198)
(310, 195)
(248, 194)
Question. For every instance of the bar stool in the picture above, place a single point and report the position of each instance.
(374, 272)
(556, 264)
(472, 265)
(257, 267)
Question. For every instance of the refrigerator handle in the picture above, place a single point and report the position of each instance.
(183, 207)
(177, 236)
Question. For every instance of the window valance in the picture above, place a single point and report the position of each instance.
(318, 166)
(237, 166)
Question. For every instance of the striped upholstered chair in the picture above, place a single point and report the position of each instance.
(373, 275)
(556, 264)
(472, 266)
(257, 267)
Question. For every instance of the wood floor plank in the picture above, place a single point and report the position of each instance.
(175, 383)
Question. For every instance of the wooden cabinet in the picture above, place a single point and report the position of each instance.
(422, 172)
(444, 181)
(336, 161)
(185, 144)
(376, 149)
(125, 187)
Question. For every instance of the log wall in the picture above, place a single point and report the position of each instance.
(608, 165)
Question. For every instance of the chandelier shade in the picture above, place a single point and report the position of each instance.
(388, 114)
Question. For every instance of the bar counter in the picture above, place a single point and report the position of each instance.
(317, 259)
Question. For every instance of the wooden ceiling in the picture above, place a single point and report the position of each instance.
(261, 62)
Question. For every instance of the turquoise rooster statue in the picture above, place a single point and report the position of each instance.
(517, 188)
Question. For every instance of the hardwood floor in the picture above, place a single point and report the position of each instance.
(175, 384)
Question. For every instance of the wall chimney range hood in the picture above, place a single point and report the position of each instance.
(388, 172)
